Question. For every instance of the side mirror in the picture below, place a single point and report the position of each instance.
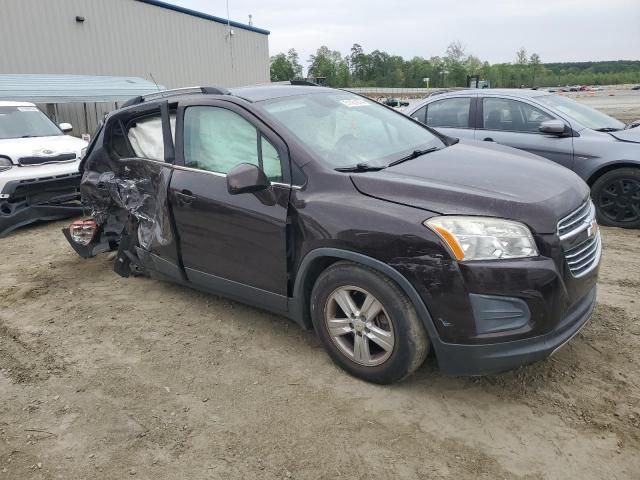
(554, 127)
(66, 127)
(246, 178)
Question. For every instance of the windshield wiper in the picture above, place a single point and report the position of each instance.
(412, 155)
(608, 129)
(360, 167)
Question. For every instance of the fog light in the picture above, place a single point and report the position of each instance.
(83, 231)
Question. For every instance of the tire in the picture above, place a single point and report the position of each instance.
(616, 195)
(392, 322)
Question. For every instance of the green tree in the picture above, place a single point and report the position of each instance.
(455, 65)
(381, 69)
(281, 68)
(534, 67)
(331, 65)
(294, 59)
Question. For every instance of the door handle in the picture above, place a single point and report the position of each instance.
(185, 197)
(488, 139)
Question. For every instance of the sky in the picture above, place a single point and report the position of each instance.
(493, 30)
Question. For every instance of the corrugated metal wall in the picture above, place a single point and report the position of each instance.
(130, 38)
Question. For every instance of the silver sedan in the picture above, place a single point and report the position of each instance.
(604, 152)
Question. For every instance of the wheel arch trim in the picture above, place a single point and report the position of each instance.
(299, 307)
(596, 173)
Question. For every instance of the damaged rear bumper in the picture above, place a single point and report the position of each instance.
(26, 201)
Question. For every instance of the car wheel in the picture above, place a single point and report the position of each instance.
(367, 325)
(616, 195)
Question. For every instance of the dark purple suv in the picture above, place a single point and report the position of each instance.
(391, 240)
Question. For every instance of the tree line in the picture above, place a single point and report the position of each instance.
(381, 69)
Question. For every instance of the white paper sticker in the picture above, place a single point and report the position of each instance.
(27, 109)
(354, 102)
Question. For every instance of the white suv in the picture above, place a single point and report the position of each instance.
(39, 178)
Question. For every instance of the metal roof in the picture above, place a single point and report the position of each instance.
(205, 16)
(41, 88)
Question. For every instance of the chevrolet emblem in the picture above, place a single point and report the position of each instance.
(593, 229)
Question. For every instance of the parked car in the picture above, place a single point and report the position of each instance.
(39, 178)
(597, 147)
(394, 102)
(637, 87)
(386, 237)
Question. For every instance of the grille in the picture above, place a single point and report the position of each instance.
(576, 219)
(585, 256)
(64, 157)
(580, 238)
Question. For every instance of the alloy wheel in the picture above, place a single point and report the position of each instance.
(619, 200)
(359, 326)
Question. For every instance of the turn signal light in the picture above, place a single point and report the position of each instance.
(83, 231)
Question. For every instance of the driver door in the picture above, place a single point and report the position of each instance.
(230, 244)
(515, 124)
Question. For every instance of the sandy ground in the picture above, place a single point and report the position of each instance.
(109, 378)
(106, 377)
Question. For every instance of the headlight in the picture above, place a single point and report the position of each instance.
(484, 238)
(83, 152)
(5, 164)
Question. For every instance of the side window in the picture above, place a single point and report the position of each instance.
(420, 114)
(216, 140)
(271, 164)
(145, 136)
(450, 112)
(511, 115)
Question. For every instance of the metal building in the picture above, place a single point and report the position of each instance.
(179, 47)
(150, 39)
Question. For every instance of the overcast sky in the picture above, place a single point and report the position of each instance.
(558, 30)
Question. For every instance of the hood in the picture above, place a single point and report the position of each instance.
(480, 179)
(15, 148)
(628, 135)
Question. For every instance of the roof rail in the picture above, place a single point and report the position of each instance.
(175, 91)
(294, 82)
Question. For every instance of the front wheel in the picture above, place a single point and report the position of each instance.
(616, 195)
(367, 325)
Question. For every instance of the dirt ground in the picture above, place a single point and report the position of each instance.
(106, 377)
(103, 377)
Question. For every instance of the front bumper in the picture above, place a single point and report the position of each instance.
(41, 199)
(460, 359)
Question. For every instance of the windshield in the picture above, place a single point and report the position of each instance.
(587, 116)
(345, 130)
(23, 122)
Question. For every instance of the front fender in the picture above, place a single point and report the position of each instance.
(299, 304)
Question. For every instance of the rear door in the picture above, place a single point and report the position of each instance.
(515, 123)
(232, 244)
(452, 116)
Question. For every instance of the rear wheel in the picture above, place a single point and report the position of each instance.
(616, 195)
(367, 324)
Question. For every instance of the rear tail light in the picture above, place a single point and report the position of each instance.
(83, 231)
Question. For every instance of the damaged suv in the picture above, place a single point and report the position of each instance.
(389, 239)
(39, 178)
